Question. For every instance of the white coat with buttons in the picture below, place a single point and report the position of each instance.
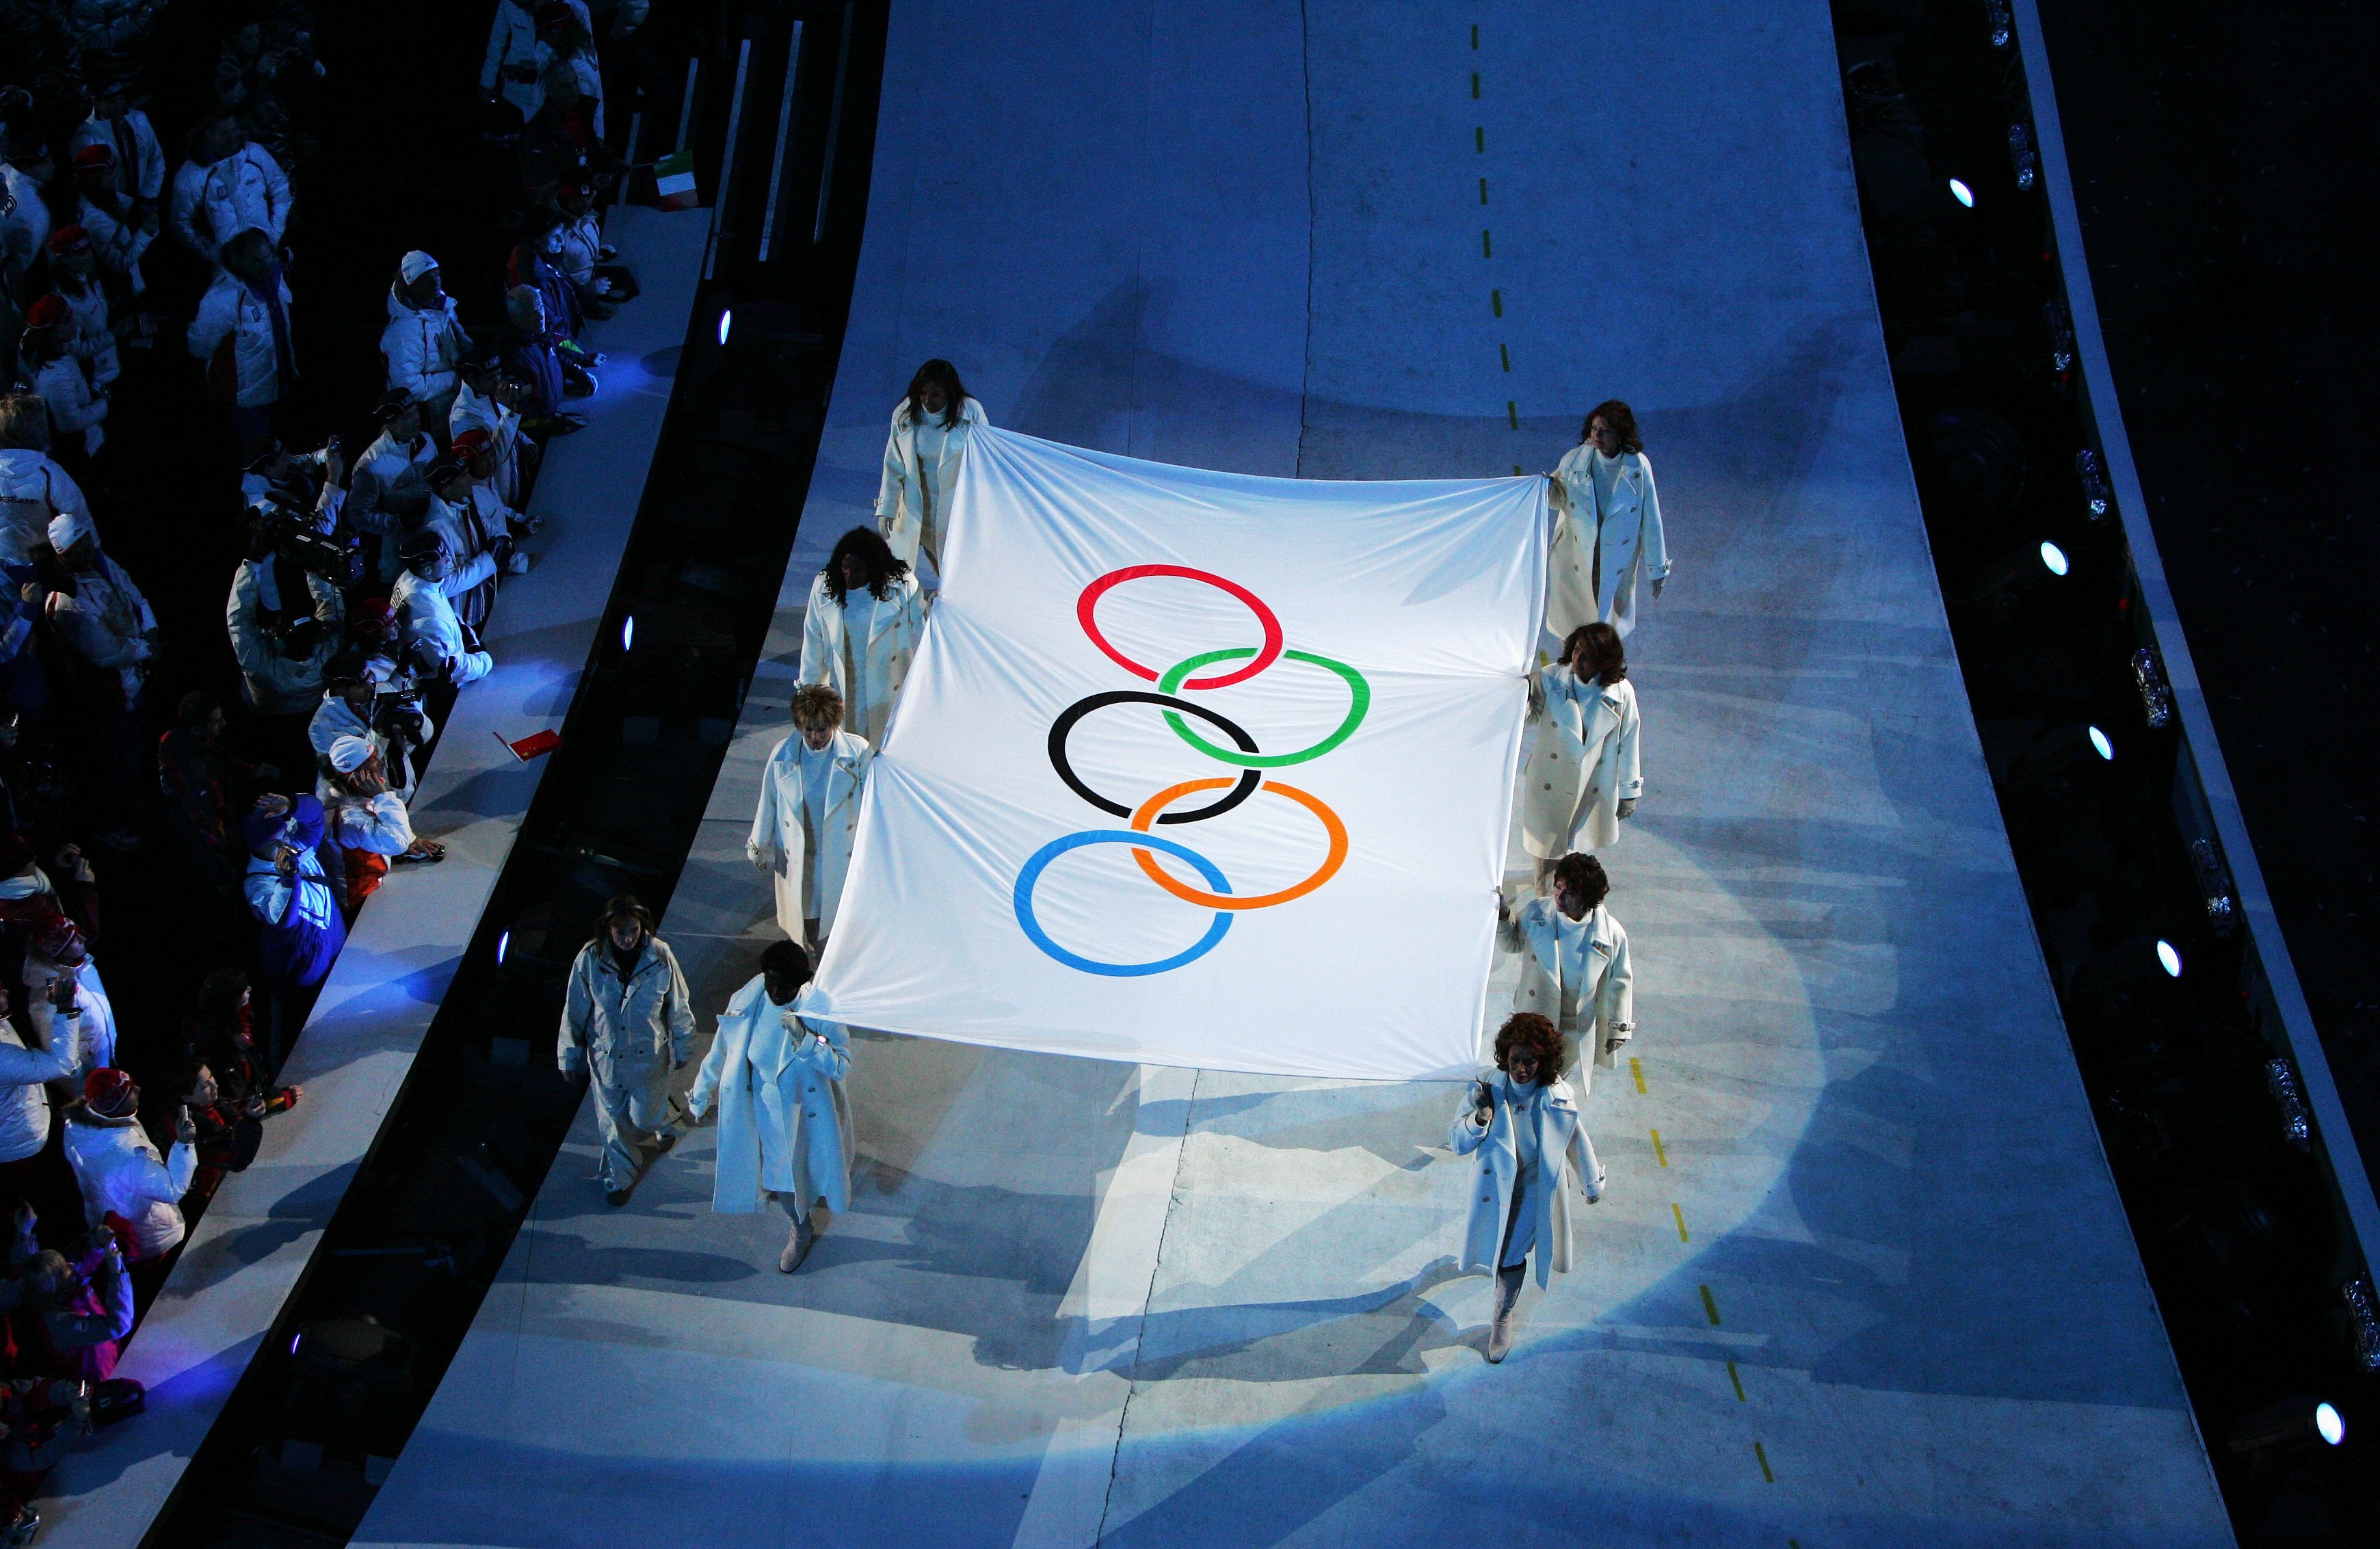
(1578, 589)
(881, 663)
(1598, 1014)
(1561, 1146)
(1584, 763)
(901, 513)
(780, 837)
(785, 1125)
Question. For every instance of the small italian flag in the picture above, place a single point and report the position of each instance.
(674, 181)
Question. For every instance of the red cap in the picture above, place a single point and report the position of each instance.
(69, 239)
(110, 1093)
(471, 442)
(372, 615)
(91, 158)
(47, 311)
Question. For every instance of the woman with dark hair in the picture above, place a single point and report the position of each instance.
(1606, 526)
(931, 425)
(1584, 774)
(775, 1078)
(861, 630)
(1525, 1126)
(626, 1024)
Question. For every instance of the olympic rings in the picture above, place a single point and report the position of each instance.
(1250, 759)
(1359, 699)
(1027, 877)
(1182, 891)
(1087, 611)
(1063, 727)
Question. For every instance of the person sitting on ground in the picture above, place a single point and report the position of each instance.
(585, 257)
(126, 1185)
(1526, 1129)
(808, 811)
(784, 1126)
(529, 353)
(389, 495)
(490, 401)
(425, 597)
(476, 449)
(458, 518)
(1574, 966)
(860, 632)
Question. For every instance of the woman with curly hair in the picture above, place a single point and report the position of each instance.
(1585, 774)
(861, 630)
(1525, 1128)
(1606, 526)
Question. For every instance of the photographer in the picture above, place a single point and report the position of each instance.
(424, 599)
(488, 401)
(387, 715)
(284, 613)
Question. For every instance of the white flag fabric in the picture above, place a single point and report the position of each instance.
(1198, 768)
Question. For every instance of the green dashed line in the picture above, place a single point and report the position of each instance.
(1516, 473)
(1474, 85)
(1766, 1472)
(1487, 248)
(1479, 138)
(1710, 1306)
(1506, 354)
(1496, 299)
(1512, 412)
(1483, 190)
(1475, 34)
(1737, 1382)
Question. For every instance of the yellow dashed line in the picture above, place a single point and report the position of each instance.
(1659, 1152)
(1737, 1382)
(1711, 1305)
(1681, 1214)
(1636, 1068)
(1766, 1472)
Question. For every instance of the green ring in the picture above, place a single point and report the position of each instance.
(1359, 694)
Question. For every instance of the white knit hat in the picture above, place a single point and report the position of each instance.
(69, 528)
(415, 264)
(348, 754)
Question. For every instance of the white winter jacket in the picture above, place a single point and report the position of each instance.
(74, 409)
(901, 513)
(107, 622)
(627, 1030)
(426, 609)
(273, 683)
(119, 1169)
(231, 311)
(144, 173)
(24, 1107)
(116, 240)
(32, 489)
(422, 346)
(213, 202)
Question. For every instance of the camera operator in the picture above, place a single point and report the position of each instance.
(424, 599)
(286, 608)
(386, 714)
(471, 529)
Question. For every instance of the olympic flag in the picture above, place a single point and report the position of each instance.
(1199, 768)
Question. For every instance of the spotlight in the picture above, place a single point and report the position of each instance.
(2101, 745)
(2053, 559)
(628, 632)
(2169, 960)
(2028, 165)
(726, 320)
(2294, 1422)
(2092, 469)
(1964, 195)
(2156, 700)
(504, 944)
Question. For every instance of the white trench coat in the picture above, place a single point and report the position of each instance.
(780, 841)
(892, 642)
(785, 1125)
(1631, 536)
(1583, 766)
(1562, 1150)
(901, 514)
(1598, 1013)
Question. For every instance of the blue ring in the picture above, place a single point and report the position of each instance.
(1057, 847)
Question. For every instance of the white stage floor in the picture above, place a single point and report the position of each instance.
(260, 1230)
(1871, 1283)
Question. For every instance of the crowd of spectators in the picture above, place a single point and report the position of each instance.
(160, 259)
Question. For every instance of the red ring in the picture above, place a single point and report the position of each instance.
(1086, 609)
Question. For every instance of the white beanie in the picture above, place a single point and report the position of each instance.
(415, 264)
(348, 754)
(69, 528)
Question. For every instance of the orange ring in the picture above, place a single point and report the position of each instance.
(1323, 872)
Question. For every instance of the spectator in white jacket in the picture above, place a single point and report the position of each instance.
(512, 70)
(242, 332)
(488, 402)
(584, 258)
(424, 340)
(131, 143)
(24, 219)
(229, 185)
(122, 228)
(424, 599)
(58, 952)
(367, 821)
(284, 624)
(123, 1180)
(347, 710)
(389, 495)
(46, 354)
(24, 1107)
(74, 271)
(33, 487)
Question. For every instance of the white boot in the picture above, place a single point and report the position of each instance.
(1507, 1296)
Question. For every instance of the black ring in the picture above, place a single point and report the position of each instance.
(1060, 729)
